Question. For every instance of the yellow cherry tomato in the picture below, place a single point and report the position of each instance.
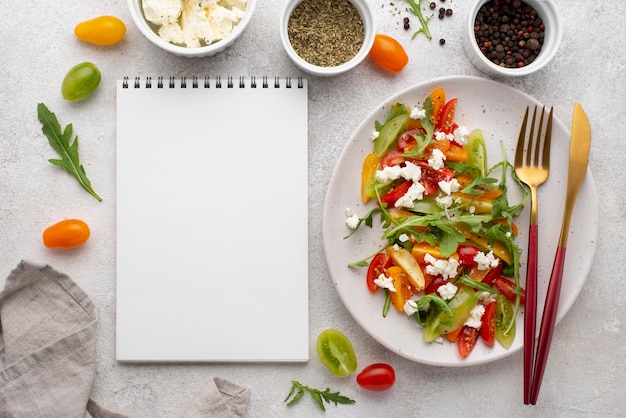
(69, 233)
(102, 30)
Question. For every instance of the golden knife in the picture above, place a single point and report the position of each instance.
(578, 160)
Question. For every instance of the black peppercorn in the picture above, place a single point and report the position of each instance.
(442, 41)
(448, 12)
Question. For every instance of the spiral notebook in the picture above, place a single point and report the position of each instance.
(212, 219)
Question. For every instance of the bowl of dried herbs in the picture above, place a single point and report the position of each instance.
(327, 37)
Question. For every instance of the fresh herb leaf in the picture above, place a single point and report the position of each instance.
(417, 11)
(466, 280)
(60, 142)
(298, 389)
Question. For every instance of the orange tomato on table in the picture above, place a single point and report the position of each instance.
(388, 53)
(69, 233)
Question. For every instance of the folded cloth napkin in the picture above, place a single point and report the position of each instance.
(48, 330)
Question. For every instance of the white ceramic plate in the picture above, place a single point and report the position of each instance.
(497, 110)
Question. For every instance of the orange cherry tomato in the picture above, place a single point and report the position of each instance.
(68, 233)
(388, 53)
(102, 30)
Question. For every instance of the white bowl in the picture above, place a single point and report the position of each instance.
(367, 16)
(149, 32)
(552, 38)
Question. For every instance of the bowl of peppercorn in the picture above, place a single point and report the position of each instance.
(327, 37)
(512, 38)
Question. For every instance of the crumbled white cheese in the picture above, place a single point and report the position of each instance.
(385, 282)
(437, 159)
(410, 307)
(486, 261)
(411, 171)
(444, 201)
(449, 187)
(446, 268)
(417, 113)
(485, 298)
(447, 291)
(475, 317)
(375, 135)
(415, 192)
(388, 173)
(460, 135)
(194, 23)
(403, 238)
(440, 135)
(352, 220)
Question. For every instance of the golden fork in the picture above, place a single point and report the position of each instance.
(532, 166)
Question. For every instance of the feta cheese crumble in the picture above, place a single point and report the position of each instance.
(410, 307)
(194, 23)
(460, 135)
(437, 159)
(446, 268)
(449, 187)
(417, 113)
(415, 192)
(375, 135)
(485, 261)
(475, 317)
(352, 220)
(447, 291)
(385, 282)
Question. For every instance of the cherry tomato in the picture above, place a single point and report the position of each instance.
(102, 30)
(388, 53)
(488, 324)
(493, 273)
(377, 266)
(446, 117)
(68, 233)
(466, 254)
(396, 193)
(504, 314)
(438, 99)
(434, 284)
(507, 288)
(336, 353)
(368, 172)
(377, 377)
(466, 340)
(393, 157)
(81, 81)
(402, 285)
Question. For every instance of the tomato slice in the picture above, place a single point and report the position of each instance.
(396, 193)
(377, 377)
(368, 172)
(504, 314)
(466, 341)
(401, 284)
(467, 253)
(393, 157)
(446, 118)
(438, 99)
(493, 273)
(488, 325)
(507, 288)
(434, 284)
(378, 265)
(336, 353)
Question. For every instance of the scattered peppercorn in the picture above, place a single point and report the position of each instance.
(510, 34)
(448, 12)
(432, 5)
(442, 41)
(407, 25)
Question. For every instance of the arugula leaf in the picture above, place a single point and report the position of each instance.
(417, 11)
(423, 138)
(298, 389)
(60, 142)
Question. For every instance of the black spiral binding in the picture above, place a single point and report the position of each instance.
(206, 82)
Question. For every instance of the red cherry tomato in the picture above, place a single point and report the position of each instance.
(396, 193)
(377, 266)
(446, 118)
(388, 53)
(466, 254)
(377, 377)
(507, 288)
(466, 341)
(488, 324)
(494, 273)
(393, 157)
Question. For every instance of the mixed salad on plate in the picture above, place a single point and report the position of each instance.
(448, 255)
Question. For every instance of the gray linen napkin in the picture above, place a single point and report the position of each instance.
(48, 330)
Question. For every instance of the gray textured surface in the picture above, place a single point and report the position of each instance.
(585, 373)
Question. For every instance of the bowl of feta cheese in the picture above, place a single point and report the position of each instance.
(192, 28)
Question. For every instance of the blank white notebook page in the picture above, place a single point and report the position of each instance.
(212, 221)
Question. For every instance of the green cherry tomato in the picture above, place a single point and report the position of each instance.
(336, 353)
(81, 81)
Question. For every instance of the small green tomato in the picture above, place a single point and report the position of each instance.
(81, 81)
